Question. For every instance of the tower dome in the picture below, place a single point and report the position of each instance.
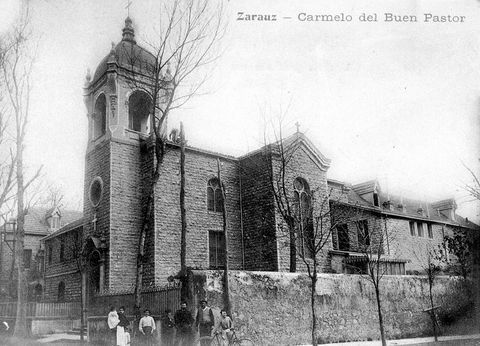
(127, 55)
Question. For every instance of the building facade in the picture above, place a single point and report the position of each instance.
(118, 170)
(39, 222)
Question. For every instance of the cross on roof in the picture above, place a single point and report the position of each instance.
(297, 124)
(129, 3)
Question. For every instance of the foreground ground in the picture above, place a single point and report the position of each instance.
(466, 340)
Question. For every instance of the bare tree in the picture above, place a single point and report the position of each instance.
(431, 261)
(281, 154)
(474, 187)
(375, 236)
(315, 222)
(186, 43)
(16, 68)
(226, 287)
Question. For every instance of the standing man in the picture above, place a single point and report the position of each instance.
(184, 323)
(147, 327)
(168, 328)
(205, 322)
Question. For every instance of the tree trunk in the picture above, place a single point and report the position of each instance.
(314, 279)
(21, 318)
(293, 247)
(83, 304)
(380, 316)
(183, 214)
(432, 311)
(159, 151)
(226, 289)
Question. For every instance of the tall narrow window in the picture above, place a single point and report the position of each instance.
(214, 196)
(375, 199)
(362, 233)
(304, 220)
(412, 228)
(62, 249)
(50, 254)
(430, 231)
(216, 249)
(61, 291)
(139, 105)
(27, 258)
(342, 237)
(100, 117)
(420, 231)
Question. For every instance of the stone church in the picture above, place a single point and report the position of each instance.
(118, 163)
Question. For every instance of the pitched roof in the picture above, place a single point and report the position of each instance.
(67, 228)
(400, 206)
(36, 219)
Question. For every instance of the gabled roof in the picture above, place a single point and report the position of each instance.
(294, 142)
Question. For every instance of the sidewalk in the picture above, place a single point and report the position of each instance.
(413, 341)
(58, 337)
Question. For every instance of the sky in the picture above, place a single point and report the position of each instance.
(396, 101)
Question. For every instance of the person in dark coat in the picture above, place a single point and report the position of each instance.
(168, 329)
(184, 323)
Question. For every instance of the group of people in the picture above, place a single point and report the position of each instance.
(176, 330)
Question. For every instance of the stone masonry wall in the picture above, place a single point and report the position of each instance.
(65, 270)
(201, 168)
(73, 287)
(97, 164)
(274, 308)
(31, 242)
(258, 213)
(414, 248)
(125, 213)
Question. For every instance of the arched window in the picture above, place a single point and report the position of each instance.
(61, 291)
(139, 105)
(100, 117)
(214, 195)
(303, 207)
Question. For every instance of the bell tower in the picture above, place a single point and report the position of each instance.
(118, 112)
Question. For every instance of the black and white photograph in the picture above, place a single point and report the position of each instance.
(239, 172)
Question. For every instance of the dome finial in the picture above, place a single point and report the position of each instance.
(128, 32)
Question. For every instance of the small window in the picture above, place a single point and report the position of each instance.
(61, 291)
(214, 196)
(430, 231)
(420, 231)
(100, 117)
(96, 191)
(139, 105)
(412, 228)
(27, 258)
(55, 222)
(50, 254)
(62, 249)
(216, 249)
(375, 199)
(343, 242)
(362, 233)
